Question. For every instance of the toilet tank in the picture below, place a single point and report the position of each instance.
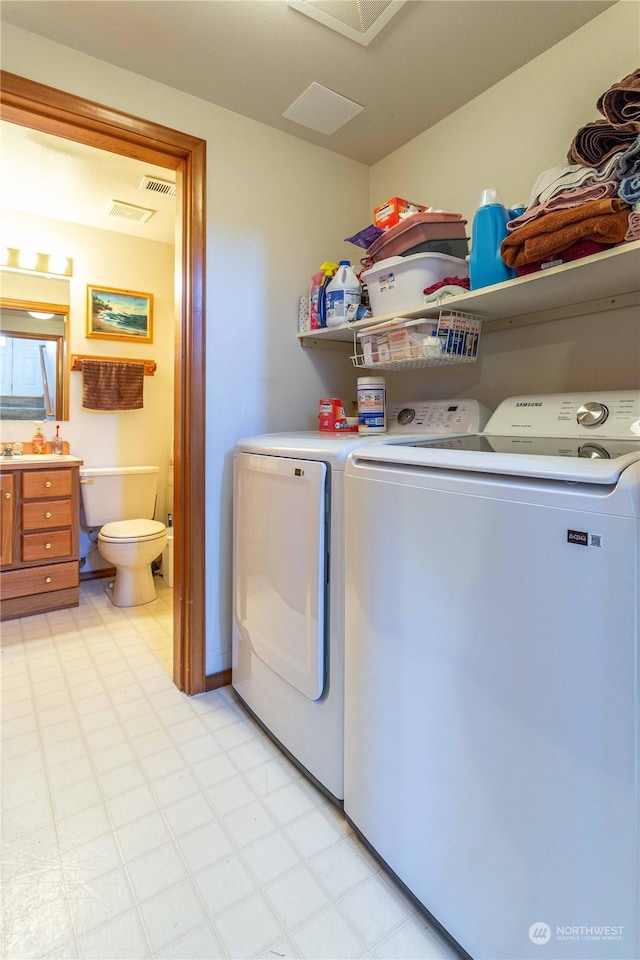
(118, 493)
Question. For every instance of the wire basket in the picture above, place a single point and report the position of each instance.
(402, 344)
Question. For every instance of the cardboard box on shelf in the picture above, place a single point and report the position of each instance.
(409, 341)
(389, 213)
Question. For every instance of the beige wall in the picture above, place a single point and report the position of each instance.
(505, 138)
(277, 207)
(126, 263)
(525, 124)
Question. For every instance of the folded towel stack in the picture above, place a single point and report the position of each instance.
(585, 206)
(621, 102)
(603, 221)
(597, 141)
(633, 232)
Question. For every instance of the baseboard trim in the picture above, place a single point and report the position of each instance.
(214, 680)
(102, 573)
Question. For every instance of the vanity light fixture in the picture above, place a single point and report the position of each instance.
(28, 261)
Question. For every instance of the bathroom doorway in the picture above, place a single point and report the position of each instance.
(56, 112)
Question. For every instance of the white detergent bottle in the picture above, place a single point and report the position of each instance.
(343, 295)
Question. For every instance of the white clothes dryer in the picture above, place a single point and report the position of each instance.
(288, 579)
(492, 714)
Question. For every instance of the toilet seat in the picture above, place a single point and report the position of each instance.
(127, 531)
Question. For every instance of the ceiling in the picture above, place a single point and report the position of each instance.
(256, 57)
(50, 177)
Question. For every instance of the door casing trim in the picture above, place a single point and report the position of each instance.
(62, 114)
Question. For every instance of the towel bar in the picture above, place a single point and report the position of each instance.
(149, 365)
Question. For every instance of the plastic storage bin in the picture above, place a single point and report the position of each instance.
(416, 230)
(398, 283)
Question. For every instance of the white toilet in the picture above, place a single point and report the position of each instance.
(121, 502)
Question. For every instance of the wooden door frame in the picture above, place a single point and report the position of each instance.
(64, 115)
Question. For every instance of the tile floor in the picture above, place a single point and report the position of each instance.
(141, 823)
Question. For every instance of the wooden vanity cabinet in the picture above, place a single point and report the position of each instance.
(39, 558)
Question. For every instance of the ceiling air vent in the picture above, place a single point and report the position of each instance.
(158, 186)
(127, 211)
(359, 20)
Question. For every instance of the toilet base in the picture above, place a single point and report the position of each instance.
(131, 588)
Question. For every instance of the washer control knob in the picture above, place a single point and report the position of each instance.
(593, 451)
(406, 416)
(591, 414)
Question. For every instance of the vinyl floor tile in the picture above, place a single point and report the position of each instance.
(141, 824)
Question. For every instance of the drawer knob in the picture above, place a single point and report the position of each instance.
(47, 483)
(47, 546)
(47, 579)
(48, 514)
(7, 496)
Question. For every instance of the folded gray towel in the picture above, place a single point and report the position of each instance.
(569, 176)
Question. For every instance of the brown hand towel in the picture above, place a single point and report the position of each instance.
(604, 221)
(621, 102)
(597, 141)
(112, 385)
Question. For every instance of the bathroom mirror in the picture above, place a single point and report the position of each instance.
(33, 360)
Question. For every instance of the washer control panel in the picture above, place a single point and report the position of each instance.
(613, 414)
(411, 417)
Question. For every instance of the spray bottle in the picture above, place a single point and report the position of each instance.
(314, 299)
(328, 270)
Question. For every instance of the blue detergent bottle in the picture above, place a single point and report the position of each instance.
(489, 229)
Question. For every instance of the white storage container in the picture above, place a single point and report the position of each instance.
(398, 283)
(167, 559)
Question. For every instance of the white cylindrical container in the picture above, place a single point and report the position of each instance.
(167, 560)
(343, 295)
(371, 405)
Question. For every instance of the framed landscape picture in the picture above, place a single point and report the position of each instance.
(119, 314)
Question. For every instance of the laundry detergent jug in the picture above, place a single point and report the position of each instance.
(343, 295)
(489, 229)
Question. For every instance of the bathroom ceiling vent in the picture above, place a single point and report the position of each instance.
(158, 186)
(359, 20)
(127, 211)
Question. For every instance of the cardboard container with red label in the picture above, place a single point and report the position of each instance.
(389, 213)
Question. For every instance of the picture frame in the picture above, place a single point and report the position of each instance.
(114, 314)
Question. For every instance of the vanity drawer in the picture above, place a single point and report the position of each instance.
(37, 484)
(46, 546)
(23, 583)
(47, 514)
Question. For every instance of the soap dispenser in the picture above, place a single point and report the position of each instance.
(38, 441)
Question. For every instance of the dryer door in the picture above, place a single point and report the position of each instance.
(280, 565)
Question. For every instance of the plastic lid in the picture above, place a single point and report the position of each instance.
(345, 263)
(489, 195)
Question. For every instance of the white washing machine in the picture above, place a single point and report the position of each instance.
(492, 678)
(288, 578)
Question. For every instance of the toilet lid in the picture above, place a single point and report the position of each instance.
(132, 530)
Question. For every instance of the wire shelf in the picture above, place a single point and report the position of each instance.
(457, 338)
(415, 363)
